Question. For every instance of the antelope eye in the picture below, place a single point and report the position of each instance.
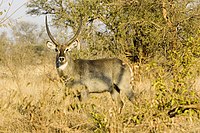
(66, 50)
(56, 50)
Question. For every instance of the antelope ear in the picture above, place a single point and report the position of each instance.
(73, 45)
(51, 45)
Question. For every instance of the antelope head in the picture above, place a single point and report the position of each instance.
(62, 50)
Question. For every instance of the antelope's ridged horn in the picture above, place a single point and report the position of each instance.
(49, 33)
(77, 33)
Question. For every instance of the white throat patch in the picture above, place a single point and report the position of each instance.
(62, 67)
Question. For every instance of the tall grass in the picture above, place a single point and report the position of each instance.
(34, 100)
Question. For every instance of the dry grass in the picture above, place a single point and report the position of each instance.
(33, 100)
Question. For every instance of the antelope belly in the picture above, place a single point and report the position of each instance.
(96, 85)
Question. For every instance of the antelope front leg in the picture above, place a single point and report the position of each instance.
(79, 91)
(84, 93)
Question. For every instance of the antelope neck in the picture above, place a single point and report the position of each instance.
(63, 66)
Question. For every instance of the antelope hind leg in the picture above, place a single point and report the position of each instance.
(115, 93)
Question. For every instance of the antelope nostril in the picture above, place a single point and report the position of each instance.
(61, 59)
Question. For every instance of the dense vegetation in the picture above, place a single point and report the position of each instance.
(160, 38)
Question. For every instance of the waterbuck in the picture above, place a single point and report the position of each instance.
(97, 76)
